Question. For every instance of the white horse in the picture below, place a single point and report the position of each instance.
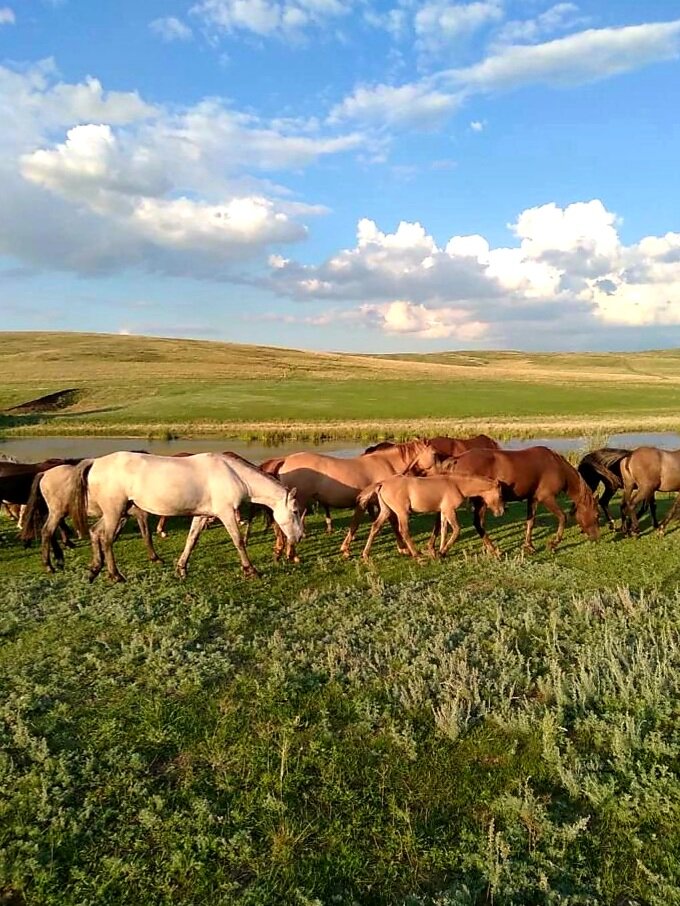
(202, 486)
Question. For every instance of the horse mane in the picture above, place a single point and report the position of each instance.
(602, 463)
(229, 454)
(383, 445)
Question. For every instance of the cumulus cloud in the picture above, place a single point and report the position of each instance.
(170, 28)
(130, 184)
(269, 18)
(7, 16)
(567, 265)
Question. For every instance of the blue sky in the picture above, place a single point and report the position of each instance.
(343, 174)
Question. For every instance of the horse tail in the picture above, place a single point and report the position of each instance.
(78, 502)
(35, 512)
(369, 494)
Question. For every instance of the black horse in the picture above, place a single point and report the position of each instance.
(604, 466)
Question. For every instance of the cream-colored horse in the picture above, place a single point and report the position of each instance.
(48, 506)
(336, 482)
(403, 494)
(202, 486)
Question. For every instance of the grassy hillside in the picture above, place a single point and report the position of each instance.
(139, 385)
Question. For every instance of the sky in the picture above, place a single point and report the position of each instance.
(356, 175)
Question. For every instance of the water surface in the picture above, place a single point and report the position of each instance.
(32, 449)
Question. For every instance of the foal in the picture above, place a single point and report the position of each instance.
(403, 494)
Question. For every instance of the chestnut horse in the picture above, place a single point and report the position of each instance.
(536, 475)
(646, 471)
(403, 494)
(335, 482)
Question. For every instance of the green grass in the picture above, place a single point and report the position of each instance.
(458, 732)
(136, 385)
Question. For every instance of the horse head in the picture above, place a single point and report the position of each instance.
(287, 516)
(586, 512)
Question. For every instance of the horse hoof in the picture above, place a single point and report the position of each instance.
(345, 555)
(251, 573)
(117, 577)
(155, 559)
(49, 570)
(60, 564)
(92, 576)
(529, 548)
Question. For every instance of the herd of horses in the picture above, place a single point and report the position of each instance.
(388, 481)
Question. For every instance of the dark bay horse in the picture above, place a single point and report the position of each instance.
(536, 475)
(604, 465)
(16, 478)
(646, 471)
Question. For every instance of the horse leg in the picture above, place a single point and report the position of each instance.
(22, 513)
(357, 516)
(406, 535)
(228, 520)
(198, 523)
(279, 542)
(160, 528)
(551, 504)
(452, 519)
(652, 511)
(142, 518)
(607, 495)
(532, 505)
(394, 522)
(478, 515)
(111, 526)
(380, 520)
(47, 541)
(672, 513)
(329, 521)
(437, 529)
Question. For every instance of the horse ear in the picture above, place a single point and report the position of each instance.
(291, 494)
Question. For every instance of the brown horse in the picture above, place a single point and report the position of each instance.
(449, 446)
(646, 471)
(536, 475)
(403, 494)
(335, 482)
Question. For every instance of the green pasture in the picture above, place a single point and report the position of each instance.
(136, 385)
(466, 731)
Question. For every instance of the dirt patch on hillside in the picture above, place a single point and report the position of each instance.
(52, 402)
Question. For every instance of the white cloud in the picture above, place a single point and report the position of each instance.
(440, 25)
(569, 266)
(269, 18)
(583, 57)
(416, 104)
(180, 191)
(170, 28)
(560, 17)
(7, 16)
(586, 56)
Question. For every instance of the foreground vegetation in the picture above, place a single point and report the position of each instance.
(457, 732)
(141, 386)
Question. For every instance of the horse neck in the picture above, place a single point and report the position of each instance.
(262, 488)
(400, 455)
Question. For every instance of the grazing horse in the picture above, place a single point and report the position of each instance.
(536, 475)
(336, 482)
(646, 471)
(604, 465)
(48, 506)
(202, 486)
(403, 494)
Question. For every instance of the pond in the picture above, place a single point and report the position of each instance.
(30, 449)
